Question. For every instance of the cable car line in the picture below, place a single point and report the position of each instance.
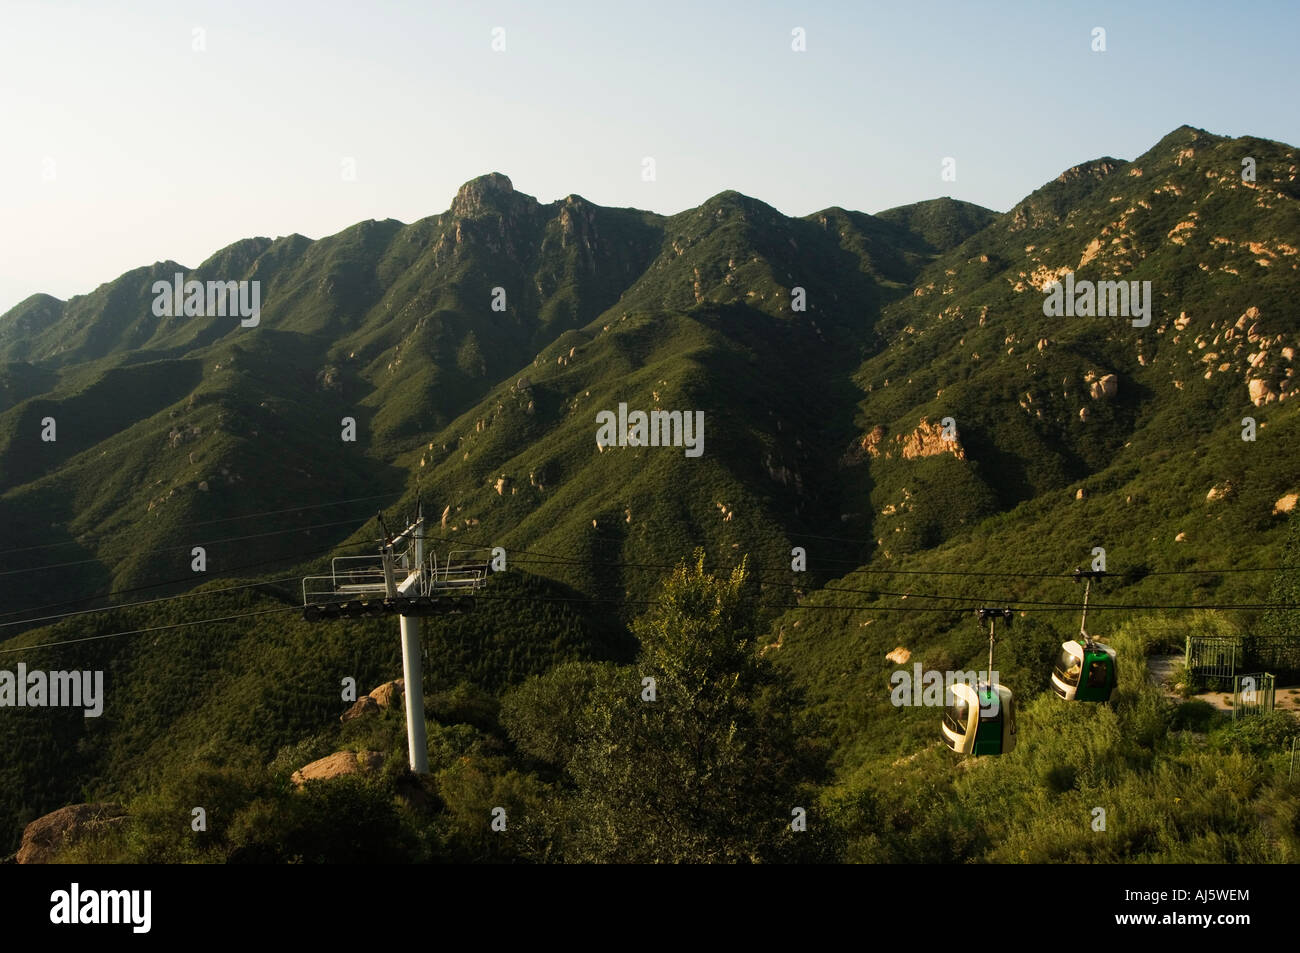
(149, 602)
(155, 628)
(1021, 605)
(197, 542)
(226, 574)
(224, 519)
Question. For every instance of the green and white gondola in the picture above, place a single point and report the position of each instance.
(1084, 671)
(980, 719)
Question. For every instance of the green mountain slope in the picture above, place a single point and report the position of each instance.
(883, 395)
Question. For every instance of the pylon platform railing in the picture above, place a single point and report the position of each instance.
(399, 581)
(357, 587)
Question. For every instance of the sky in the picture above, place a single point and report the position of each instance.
(146, 131)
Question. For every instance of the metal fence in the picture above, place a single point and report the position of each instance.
(1213, 657)
(1252, 694)
(1277, 653)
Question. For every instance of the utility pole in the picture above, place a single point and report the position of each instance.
(357, 587)
(412, 670)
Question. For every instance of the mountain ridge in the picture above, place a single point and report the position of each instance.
(883, 392)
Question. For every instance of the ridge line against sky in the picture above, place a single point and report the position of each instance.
(147, 132)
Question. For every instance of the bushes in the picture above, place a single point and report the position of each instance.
(1193, 716)
(1260, 734)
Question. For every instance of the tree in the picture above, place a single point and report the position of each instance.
(712, 768)
(1286, 586)
(1283, 624)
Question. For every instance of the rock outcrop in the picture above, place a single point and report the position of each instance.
(337, 765)
(1220, 491)
(365, 705)
(927, 440)
(44, 837)
(1260, 392)
(1105, 387)
(388, 694)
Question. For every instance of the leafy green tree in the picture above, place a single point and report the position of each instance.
(1286, 587)
(713, 767)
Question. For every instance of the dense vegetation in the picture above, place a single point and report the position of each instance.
(821, 436)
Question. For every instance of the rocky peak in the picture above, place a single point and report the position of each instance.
(1097, 169)
(477, 193)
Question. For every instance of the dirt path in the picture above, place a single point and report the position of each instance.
(1161, 667)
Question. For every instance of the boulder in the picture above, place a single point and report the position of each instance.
(365, 705)
(1261, 393)
(1104, 387)
(45, 836)
(337, 765)
(1220, 491)
(388, 694)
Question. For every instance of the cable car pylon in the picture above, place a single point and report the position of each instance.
(1085, 670)
(363, 586)
(981, 719)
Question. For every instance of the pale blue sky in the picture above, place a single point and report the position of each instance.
(160, 151)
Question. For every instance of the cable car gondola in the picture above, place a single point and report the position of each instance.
(1085, 671)
(980, 720)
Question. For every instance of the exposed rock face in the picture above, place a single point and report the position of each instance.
(899, 656)
(1220, 491)
(365, 705)
(471, 196)
(329, 378)
(871, 442)
(927, 440)
(45, 836)
(338, 764)
(1261, 393)
(388, 694)
(1286, 504)
(1106, 387)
